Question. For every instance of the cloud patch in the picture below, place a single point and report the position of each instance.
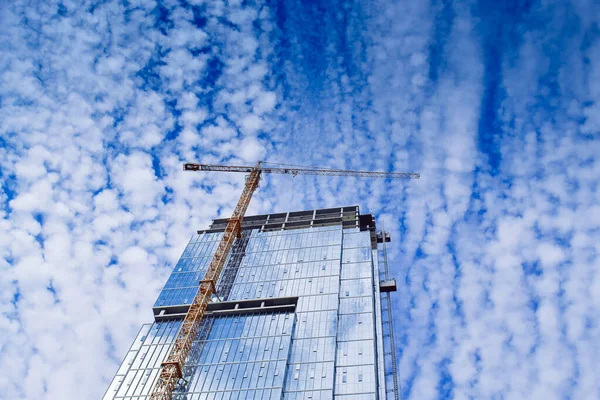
(496, 246)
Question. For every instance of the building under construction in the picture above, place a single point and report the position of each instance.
(299, 310)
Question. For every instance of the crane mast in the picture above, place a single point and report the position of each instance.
(172, 369)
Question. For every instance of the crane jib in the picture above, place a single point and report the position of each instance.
(300, 171)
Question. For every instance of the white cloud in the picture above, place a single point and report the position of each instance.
(83, 130)
(134, 176)
(251, 124)
(221, 131)
(509, 260)
(36, 199)
(265, 102)
(106, 200)
(251, 150)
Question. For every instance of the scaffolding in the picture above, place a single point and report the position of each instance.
(389, 343)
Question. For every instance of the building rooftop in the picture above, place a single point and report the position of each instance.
(348, 217)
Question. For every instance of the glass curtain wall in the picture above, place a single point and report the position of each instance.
(326, 349)
(242, 356)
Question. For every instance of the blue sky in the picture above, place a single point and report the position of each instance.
(496, 104)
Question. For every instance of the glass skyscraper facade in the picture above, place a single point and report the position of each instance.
(297, 314)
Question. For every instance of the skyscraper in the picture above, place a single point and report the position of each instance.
(298, 314)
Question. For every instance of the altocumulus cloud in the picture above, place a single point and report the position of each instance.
(101, 103)
(496, 105)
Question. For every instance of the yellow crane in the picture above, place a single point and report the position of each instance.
(172, 369)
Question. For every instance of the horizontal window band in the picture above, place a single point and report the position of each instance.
(187, 365)
(308, 391)
(239, 283)
(354, 340)
(311, 362)
(357, 313)
(289, 249)
(368, 296)
(272, 304)
(208, 254)
(282, 264)
(235, 390)
(221, 340)
(211, 391)
(303, 296)
(312, 337)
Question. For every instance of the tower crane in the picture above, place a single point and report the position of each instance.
(172, 368)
